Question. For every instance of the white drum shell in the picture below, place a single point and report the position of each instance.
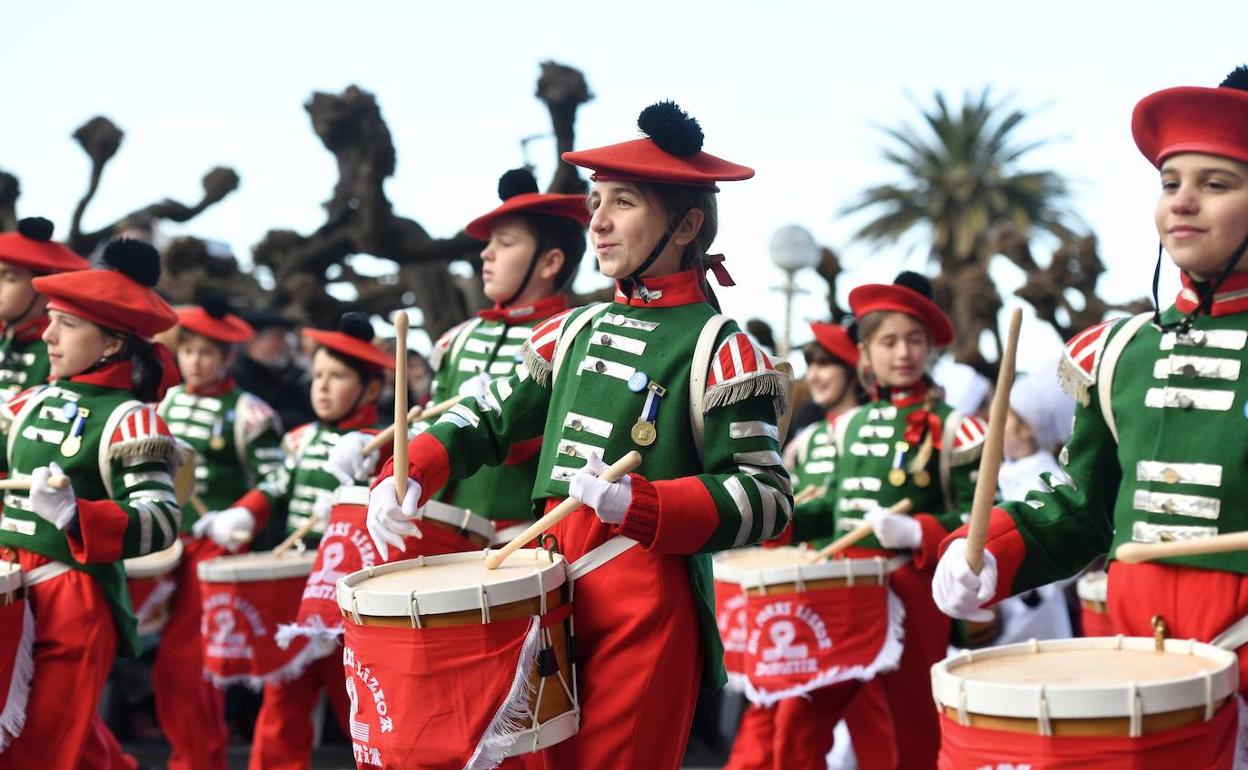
(252, 567)
(459, 518)
(1023, 700)
(1093, 587)
(792, 565)
(548, 573)
(154, 564)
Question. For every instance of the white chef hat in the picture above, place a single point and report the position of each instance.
(965, 388)
(1038, 399)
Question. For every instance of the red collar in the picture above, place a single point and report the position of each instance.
(525, 314)
(1231, 297)
(671, 290)
(115, 375)
(908, 397)
(218, 388)
(28, 331)
(364, 416)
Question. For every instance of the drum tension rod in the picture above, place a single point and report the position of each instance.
(1160, 629)
(549, 542)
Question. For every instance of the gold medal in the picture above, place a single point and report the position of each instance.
(896, 477)
(643, 433)
(922, 478)
(217, 443)
(71, 445)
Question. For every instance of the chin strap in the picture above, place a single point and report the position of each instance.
(633, 281)
(528, 273)
(1205, 304)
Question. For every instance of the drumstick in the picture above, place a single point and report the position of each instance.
(862, 530)
(1134, 553)
(24, 483)
(786, 368)
(994, 446)
(415, 413)
(400, 403)
(806, 495)
(199, 505)
(294, 537)
(621, 467)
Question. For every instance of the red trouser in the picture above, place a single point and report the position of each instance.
(75, 642)
(798, 732)
(283, 737)
(1196, 603)
(103, 752)
(190, 710)
(639, 656)
(909, 689)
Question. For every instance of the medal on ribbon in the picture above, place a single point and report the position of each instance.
(644, 433)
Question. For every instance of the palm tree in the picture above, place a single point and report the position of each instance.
(962, 182)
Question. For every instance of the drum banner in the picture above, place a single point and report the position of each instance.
(17, 666)
(238, 627)
(1200, 746)
(730, 617)
(796, 642)
(1096, 623)
(440, 698)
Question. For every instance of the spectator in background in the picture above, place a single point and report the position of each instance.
(267, 368)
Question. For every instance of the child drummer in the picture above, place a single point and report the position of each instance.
(1157, 451)
(237, 438)
(534, 244)
(905, 444)
(621, 381)
(347, 372)
(24, 254)
(92, 425)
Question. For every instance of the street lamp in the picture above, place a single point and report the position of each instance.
(792, 248)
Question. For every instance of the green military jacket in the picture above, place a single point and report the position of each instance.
(464, 359)
(23, 357)
(879, 460)
(236, 437)
(120, 458)
(814, 462)
(715, 469)
(1158, 447)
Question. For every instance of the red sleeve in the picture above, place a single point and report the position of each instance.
(672, 516)
(258, 503)
(523, 451)
(102, 528)
(427, 463)
(926, 555)
(1005, 543)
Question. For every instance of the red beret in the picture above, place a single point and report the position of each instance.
(229, 328)
(876, 297)
(1213, 121)
(31, 246)
(834, 338)
(569, 206)
(108, 298)
(348, 345)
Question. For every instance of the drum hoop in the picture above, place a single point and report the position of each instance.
(242, 568)
(459, 518)
(1093, 587)
(1046, 702)
(399, 604)
(799, 572)
(351, 496)
(154, 564)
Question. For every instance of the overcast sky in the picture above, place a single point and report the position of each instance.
(796, 90)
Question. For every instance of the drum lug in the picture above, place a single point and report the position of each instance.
(550, 543)
(1160, 630)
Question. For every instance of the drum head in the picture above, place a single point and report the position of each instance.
(155, 564)
(265, 565)
(762, 558)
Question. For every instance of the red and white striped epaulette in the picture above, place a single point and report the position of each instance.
(1080, 359)
(297, 437)
(13, 406)
(538, 351)
(968, 440)
(740, 370)
(443, 344)
(254, 416)
(141, 433)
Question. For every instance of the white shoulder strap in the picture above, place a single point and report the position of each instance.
(461, 339)
(698, 371)
(19, 419)
(568, 335)
(948, 435)
(841, 427)
(1109, 361)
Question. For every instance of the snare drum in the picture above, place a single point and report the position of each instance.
(441, 634)
(805, 625)
(1100, 702)
(245, 598)
(151, 585)
(1093, 590)
(16, 652)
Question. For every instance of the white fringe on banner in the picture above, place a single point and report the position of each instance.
(514, 715)
(13, 718)
(885, 660)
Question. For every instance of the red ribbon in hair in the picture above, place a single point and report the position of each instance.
(920, 421)
(715, 264)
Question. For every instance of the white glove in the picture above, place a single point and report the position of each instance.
(475, 387)
(894, 530)
(609, 499)
(347, 460)
(960, 593)
(230, 529)
(388, 520)
(56, 506)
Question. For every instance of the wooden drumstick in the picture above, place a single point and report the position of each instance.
(620, 468)
(994, 448)
(201, 508)
(24, 483)
(400, 403)
(807, 494)
(1134, 553)
(858, 533)
(295, 536)
(413, 414)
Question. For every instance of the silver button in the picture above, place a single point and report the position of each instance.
(576, 425)
(1168, 506)
(1198, 338)
(606, 340)
(1188, 371)
(600, 366)
(1184, 401)
(1170, 476)
(571, 450)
